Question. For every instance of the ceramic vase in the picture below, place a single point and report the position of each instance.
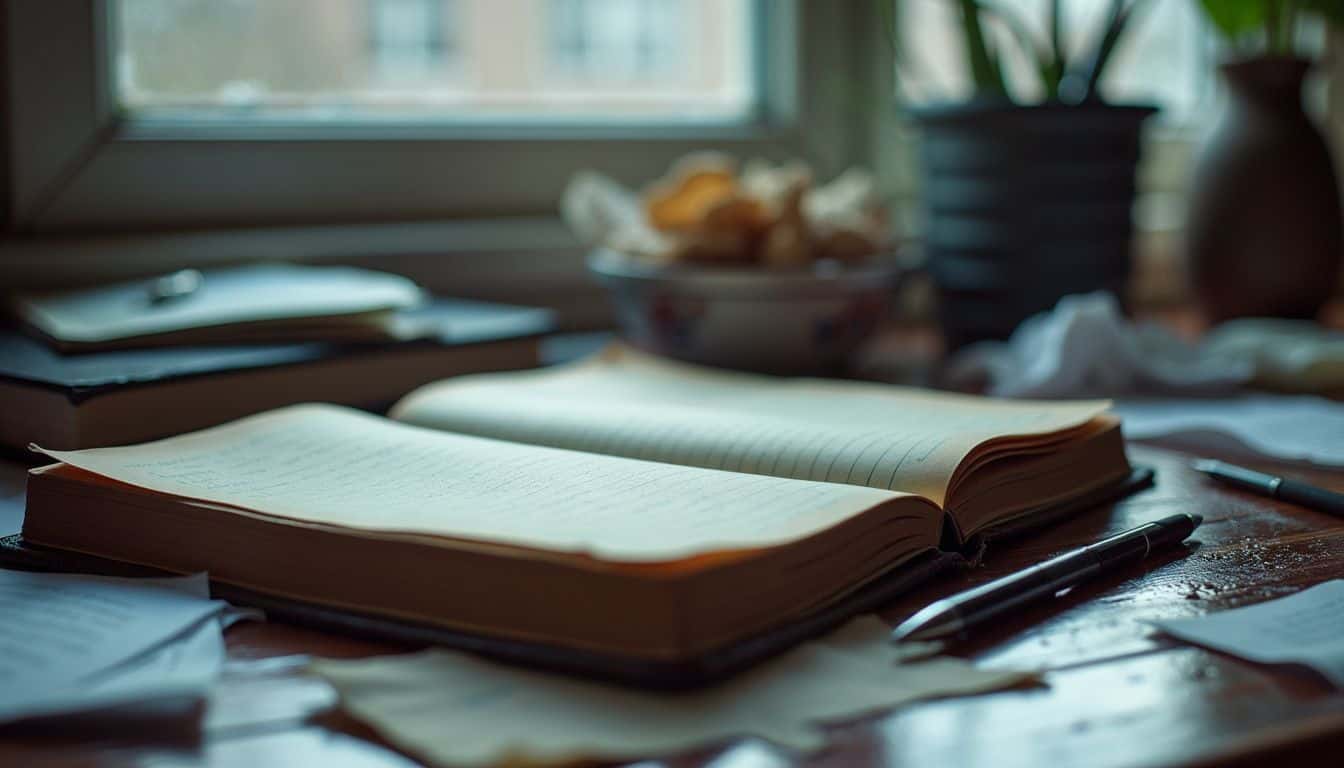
(1264, 231)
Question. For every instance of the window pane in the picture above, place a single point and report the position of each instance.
(467, 60)
(1166, 57)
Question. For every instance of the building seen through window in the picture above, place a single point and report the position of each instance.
(636, 40)
(411, 39)
(443, 59)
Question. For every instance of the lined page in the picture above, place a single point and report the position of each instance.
(343, 467)
(625, 403)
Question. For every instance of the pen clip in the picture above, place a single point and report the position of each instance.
(174, 286)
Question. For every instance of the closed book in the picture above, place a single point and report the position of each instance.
(254, 303)
(125, 396)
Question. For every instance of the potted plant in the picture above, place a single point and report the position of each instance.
(1263, 237)
(1026, 203)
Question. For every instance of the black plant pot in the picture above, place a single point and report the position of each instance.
(1024, 205)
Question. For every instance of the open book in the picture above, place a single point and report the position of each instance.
(622, 506)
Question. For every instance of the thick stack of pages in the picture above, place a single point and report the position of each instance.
(623, 505)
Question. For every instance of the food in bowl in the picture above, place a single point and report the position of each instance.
(758, 270)
(704, 211)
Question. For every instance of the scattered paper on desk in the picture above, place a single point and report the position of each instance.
(13, 488)
(456, 709)
(1277, 427)
(1306, 628)
(71, 643)
(1087, 347)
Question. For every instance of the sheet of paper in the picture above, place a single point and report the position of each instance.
(1306, 628)
(455, 709)
(1277, 427)
(343, 467)
(625, 403)
(181, 670)
(13, 484)
(73, 642)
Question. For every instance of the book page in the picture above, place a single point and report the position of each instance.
(342, 467)
(626, 403)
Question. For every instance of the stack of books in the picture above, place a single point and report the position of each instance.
(150, 358)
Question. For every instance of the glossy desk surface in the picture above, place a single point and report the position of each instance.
(1115, 695)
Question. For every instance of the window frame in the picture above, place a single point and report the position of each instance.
(80, 165)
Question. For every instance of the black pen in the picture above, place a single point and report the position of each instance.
(954, 615)
(1273, 486)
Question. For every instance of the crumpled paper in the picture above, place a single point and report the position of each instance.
(1086, 347)
(1286, 355)
(456, 709)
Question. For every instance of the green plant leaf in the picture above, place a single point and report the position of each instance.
(1117, 20)
(985, 71)
(1040, 57)
(1060, 56)
(1235, 18)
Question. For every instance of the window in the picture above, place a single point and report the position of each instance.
(146, 115)
(230, 54)
(494, 62)
(631, 40)
(410, 39)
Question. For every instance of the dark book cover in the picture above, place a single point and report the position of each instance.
(25, 360)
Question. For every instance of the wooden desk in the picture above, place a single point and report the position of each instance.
(1115, 695)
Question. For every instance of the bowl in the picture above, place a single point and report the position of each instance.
(775, 321)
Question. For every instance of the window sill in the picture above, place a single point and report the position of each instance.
(533, 261)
